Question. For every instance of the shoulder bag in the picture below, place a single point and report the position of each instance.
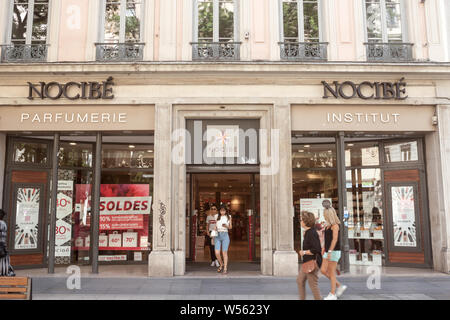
(309, 267)
(3, 252)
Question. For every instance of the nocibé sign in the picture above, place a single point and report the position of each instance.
(366, 90)
(86, 90)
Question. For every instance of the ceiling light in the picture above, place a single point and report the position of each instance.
(131, 146)
(73, 143)
(307, 146)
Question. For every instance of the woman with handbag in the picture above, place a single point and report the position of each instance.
(6, 269)
(311, 257)
(332, 251)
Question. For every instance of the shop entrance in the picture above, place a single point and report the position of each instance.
(240, 193)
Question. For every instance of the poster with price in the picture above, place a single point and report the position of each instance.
(123, 208)
(27, 218)
(404, 216)
(64, 208)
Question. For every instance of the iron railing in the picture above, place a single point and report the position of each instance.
(24, 52)
(120, 51)
(304, 51)
(216, 51)
(388, 52)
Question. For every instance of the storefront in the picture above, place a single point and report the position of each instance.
(137, 163)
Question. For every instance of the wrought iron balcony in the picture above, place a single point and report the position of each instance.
(131, 51)
(216, 51)
(389, 52)
(24, 52)
(304, 51)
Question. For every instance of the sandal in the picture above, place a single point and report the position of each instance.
(225, 271)
(220, 269)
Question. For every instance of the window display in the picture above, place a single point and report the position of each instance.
(403, 216)
(27, 218)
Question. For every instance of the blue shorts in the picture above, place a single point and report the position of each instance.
(335, 256)
(223, 239)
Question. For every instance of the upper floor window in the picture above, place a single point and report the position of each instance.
(300, 34)
(385, 31)
(216, 30)
(121, 30)
(28, 31)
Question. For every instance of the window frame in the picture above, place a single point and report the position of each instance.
(29, 35)
(384, 34)
(236, 20)
(122, 28)
(301, 20)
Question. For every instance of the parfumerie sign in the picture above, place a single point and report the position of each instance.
(366, 90)
(72, 90)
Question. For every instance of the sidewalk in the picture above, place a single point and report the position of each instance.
(129, 284)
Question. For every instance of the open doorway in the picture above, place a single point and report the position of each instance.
(240, 193)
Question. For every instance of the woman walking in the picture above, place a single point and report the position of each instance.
(210, 226)
(332, 251)
(311, 252)
(222, 241)
(6, 269)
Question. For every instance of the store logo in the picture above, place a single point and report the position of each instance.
(72, 90)
(366, 90)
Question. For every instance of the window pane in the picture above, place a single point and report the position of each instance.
(205, 20)
(19, 22)
(226, 21)
(361, 154)
(401, 152)
(311, 20)
(133, 24)
(290, 21)
(112, 21)
(365, 225)
(27, 152)
(40, 22)
(373, 20)
(127, 156)
(393, 17)
(74, 154)
(314, 156)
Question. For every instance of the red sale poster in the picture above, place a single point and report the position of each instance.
(124, 214)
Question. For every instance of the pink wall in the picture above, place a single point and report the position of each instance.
(260, 35)
(73, 30)
(346, 33)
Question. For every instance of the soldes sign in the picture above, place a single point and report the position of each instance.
(366, 90)
(72, 90)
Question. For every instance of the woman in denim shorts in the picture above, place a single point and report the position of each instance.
(222, 241)
(332, 252)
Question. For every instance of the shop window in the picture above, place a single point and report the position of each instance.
(401, 152)
(126, 197)
(362, 154)
(75, 154)
(365, 225)
(127, 156)
(28, 33)
(30, 152)
(314, 156)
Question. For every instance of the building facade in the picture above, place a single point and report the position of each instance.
(147, 111)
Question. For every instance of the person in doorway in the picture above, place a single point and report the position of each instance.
(332, 251)
(222, 241)
(211, 226)
(6, 269)
(311, 251)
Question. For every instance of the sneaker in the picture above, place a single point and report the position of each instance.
(330, 297)
(217, 263)
(213, 264)
(340, 290)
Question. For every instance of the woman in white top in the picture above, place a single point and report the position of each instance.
(222, 241)
(210, 226)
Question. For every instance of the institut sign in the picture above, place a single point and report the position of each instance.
(366, 90)
(72, 90)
